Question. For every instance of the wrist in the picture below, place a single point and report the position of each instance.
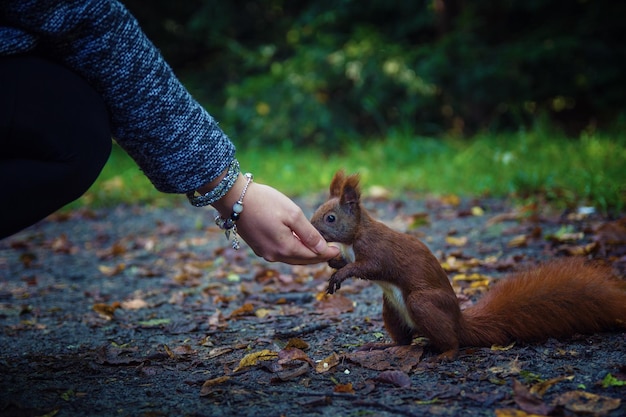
(224, 205)
(216, 189)
(226, 222)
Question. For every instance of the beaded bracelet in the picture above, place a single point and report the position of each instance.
(229, 225)
(201, 200)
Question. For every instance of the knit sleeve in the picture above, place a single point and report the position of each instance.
(176, 143)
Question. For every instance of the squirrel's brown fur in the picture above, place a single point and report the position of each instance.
(556, 299)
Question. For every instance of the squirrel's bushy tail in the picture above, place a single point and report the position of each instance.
(557, 299)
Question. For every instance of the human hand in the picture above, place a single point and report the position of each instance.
(275, 227)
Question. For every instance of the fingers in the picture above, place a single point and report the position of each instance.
(295, 252)
(312, 239)
(277, 230)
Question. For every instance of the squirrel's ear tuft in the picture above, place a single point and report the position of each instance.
(336, 185)
(351, 193)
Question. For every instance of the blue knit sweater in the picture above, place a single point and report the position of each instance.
(177, 144)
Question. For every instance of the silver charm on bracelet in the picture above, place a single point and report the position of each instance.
(229, 225)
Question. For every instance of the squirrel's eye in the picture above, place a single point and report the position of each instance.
(330, 218)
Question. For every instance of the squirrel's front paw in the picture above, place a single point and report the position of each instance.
(337, 262)
(334, 283)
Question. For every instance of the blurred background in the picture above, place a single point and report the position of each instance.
(322, 72)
(521, 98)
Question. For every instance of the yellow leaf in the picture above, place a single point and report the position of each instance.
(451, 200)
(541, 387)
(518, 241)
(109, 271)
(253, 359)
(581, 250)
(206, 387)
(456, 241)
(480, 284)
(477, 211)
(498, 347)
(169, 352)
(511, 412)
(106, 310)
(470, 278)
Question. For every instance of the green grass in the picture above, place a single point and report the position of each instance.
(537, 164)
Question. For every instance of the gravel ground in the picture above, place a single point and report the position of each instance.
(136, 311)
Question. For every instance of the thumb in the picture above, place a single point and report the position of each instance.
(312, 239)
(325, 250)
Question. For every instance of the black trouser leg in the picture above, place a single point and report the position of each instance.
(54, 139)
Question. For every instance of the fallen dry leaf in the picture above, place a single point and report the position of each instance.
(245, 310)
(219, 351)
(335, 304)
(512, 368)
(264, 276)
(62, 244)
(289, 374)
(511, 412)
(293, 354)
(344, 388)
(588, 403)
(456, 241)
(107, 311)
(450, 200)
(541, 387)
(253, 359)
(528, 401)
(169, 352)
(581, 250)
(470, 278)
(210, 383)
(397, 378)
(134, 304)
(117, 249)
(296, 342)
(327, 364)
(504, 217)
(179, 351)
(402, 358)
(110, 271)
(518, 241)
(455, 264)
(500, 348)
(217, 320)
(611, 233)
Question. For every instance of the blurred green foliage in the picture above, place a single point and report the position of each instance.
(326, 73)
(540, 165)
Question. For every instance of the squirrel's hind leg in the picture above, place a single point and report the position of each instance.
(400, 331)
(437, 317)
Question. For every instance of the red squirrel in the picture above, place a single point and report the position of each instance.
(558, 299)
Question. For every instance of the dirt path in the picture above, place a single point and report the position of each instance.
(143, 312)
